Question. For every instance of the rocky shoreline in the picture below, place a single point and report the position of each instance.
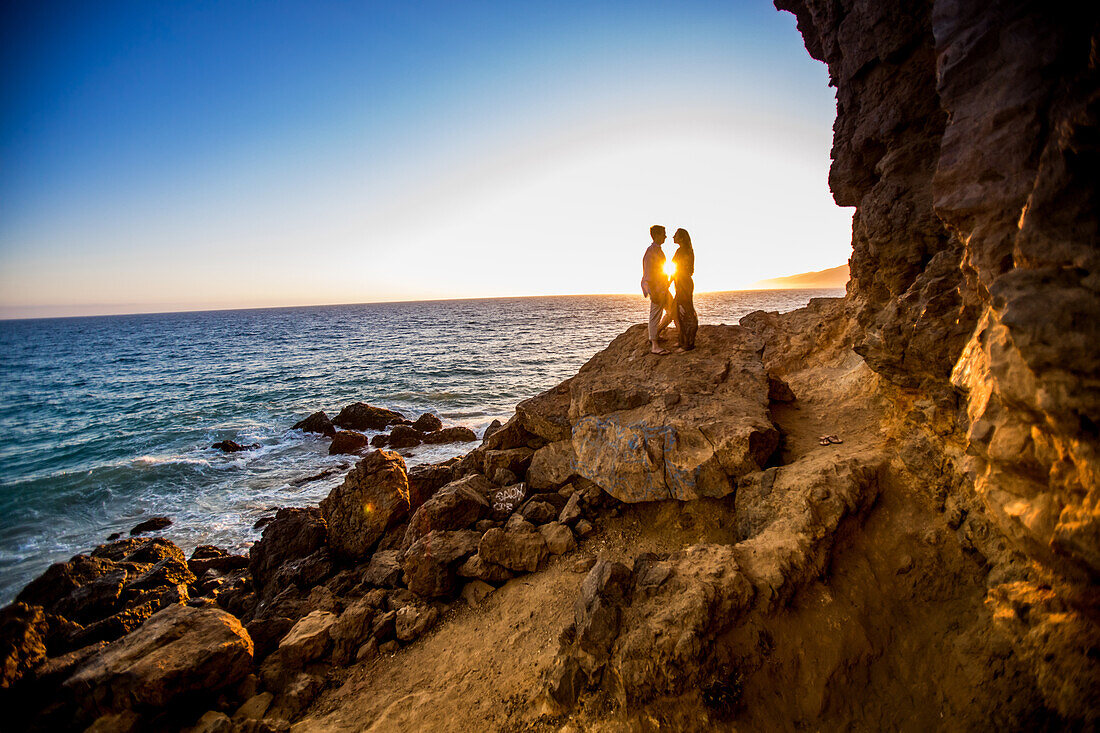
(935, 569)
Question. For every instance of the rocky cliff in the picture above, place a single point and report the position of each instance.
(967, 139)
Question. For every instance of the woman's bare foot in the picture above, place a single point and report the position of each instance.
(681, 350)
(659, 351)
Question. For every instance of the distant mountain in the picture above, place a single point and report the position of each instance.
(834, 277)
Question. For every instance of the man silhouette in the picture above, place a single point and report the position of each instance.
(655, 285)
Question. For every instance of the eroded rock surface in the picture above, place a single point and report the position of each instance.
(684, 427)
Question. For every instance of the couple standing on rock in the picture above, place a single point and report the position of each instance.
(664, 307)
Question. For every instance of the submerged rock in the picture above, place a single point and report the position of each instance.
(428, 423)
(347, 442)
(403, 436)
(154, 524)
(361, 416)
(450, 435)
(318, 422)
(230, 446)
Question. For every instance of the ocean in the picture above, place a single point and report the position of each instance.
(108, 421)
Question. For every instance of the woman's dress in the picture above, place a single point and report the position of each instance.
(685, 288)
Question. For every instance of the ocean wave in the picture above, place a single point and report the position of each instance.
(168, 460)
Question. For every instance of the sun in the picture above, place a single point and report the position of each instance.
(670, 268)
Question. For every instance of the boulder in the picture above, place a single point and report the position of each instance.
(539, 512)
(547, 415)
(154, 524)
(179, 653)
(63, 578)
(347, 442)
(360, 416)
(494, 426)
(99, 598)
(430, 564)
(209, 557)
(455, 506)
(23, 632)
(520, 549)
(506, 500)
(478, 569)
(552, 465)
(352, 628)
(304, 572)
(425, 480)
(309, 639)
(559, 538)
(296, 695)
(230, 446)
(403, 436)
(318, 422)
(475, 592)
(373, 497)
(139, 550)
(450, 435)
(254, 707)
(212, 721)
(384, 569)
(413, 620)
(515, 460)
(295, 533)
(511, 435)
(648, 429)
(428, 423)
(380, 441)
(572, 510)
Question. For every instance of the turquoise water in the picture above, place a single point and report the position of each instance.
(109, 420)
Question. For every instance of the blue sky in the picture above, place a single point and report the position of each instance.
(163, 156)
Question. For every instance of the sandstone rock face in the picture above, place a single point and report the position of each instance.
(318, 422)
(646, 632)
(373, 497)
(361, 416)
(965, 137)
(179, 652)
(309, 639)
(647, 429)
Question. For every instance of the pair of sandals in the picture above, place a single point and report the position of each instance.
(829, 440)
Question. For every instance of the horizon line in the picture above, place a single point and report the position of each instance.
(376, 302)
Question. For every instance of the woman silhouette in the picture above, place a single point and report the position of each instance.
(687, 322)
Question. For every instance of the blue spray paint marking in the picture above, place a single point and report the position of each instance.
(661, 481)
